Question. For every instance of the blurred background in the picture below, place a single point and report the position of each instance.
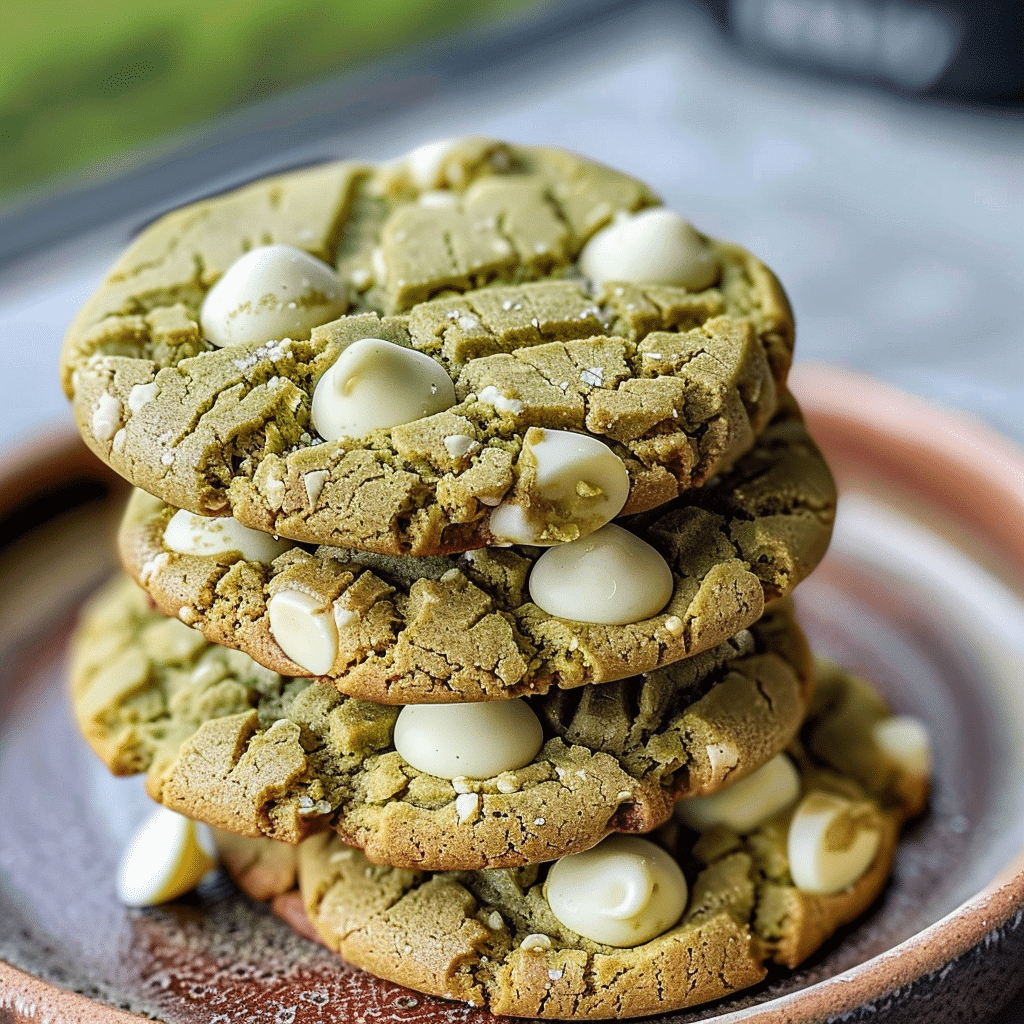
(869, 150)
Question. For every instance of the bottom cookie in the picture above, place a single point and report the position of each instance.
(769, 874)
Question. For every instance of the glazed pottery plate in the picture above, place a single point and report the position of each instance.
(922, 592)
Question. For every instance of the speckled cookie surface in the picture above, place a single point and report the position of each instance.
(677, 382)
(490, 938)
(232, 744)
(462, 628)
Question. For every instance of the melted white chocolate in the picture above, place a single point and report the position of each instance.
(611, 577)
(189, 534)
(478, 740)
(168, 855)
(746, 804)
(375, 383)
(585, 481)
(832, 842)
(304, 629)
(270, 293)
(624, 892)
(654, 246)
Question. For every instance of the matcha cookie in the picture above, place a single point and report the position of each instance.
(230, 743)
(771, 892)
(511, 345)
(489, 624)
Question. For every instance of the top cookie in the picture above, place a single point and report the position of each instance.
(502, 344)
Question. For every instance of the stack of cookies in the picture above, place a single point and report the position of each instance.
(470, 497)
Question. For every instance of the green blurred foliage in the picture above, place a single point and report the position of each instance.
(82, 81)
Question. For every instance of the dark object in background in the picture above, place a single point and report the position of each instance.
(969, 50)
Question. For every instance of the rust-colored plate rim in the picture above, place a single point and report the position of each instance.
(927, 445)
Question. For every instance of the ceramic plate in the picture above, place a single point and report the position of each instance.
(922, 591)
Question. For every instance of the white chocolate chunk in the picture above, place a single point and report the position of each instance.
(654, 246)
(304, 629)
(459, 446)
(426, 163)
(832, 842)
(167, 856)
(477, 741)
(623, 892)
(375, 383)
(189, 534)
(106, 417)
(314, 482)
(674, 626)
(429, 166)
(466, 806)
(490, 395)
(744, 805)
(905, 739)
(140, 394)
(270, 293)
(610, 577)
(581, 476)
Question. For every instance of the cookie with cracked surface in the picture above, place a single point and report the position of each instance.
(230, 743)
(492, 938)
(404, 630)
(669, 381)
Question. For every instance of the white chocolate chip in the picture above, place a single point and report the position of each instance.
(490, 395)
(743, 806)
(623, 892)
(272, 292)
(832, 842)
(375, 383)
(106, 417)
(120, 438)
(536, 942)
(610, 577)
(314, 482)
(477, 740)
(141, 394)
(459, 446)
(467, 805)
(585, 481)
(905, 740)
(495, 921)
(674, 626)
(555, 974)
(654, 246)
(304, 629)
(594, 376)
(167, 856)
(189, 534)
